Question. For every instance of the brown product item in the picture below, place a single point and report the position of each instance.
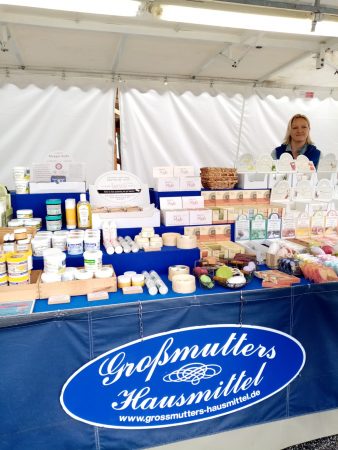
(218, 177)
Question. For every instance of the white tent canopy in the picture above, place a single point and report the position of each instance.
(145, 47)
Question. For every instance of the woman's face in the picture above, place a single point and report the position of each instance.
(299, 130)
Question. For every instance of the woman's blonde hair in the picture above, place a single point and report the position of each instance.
(287, 139)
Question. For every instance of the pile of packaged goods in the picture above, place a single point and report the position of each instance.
(234, 274)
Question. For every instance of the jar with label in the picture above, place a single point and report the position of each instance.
(92, 260)
(54, 260)
(3, 269)
(15, 223)
(39, 244)
(35, 223)
(24, 214)
(3, 280)
(20, 233)
(53, 207)
(17, 264)
(9, 243)
(74, 245)
(15, 280)
(59, 240)
(92, 240)
(54, 223)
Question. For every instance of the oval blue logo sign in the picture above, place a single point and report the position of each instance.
(182, 376)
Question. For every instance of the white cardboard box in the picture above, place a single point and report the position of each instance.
(171, 203)
(253, 180)
(149, 217)
(200, 216)
(168, 184)
(163, 171)
(175, 218)
(193, 202)
(184, 171)
(49, 188)
(190, 183)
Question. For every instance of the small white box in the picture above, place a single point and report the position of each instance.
(193, 202)
(171, 203)
(169, 184)
(175, 218)
(190, 183)
(200, 216)
(49, 188)
(253, 180)
(184, 171)
(163, 171)
(149, 217)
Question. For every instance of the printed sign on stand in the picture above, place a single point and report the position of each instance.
(183, 376)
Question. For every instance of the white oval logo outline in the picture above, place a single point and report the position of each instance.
(176, 331)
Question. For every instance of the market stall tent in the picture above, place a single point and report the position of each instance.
(59, 73)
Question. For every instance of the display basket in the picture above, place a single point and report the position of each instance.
(218, 177)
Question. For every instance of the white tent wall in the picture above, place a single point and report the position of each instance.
(265, 120)
(168, 128)
(51, 115)
(209, 126)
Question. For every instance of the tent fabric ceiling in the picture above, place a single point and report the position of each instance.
(145, 47)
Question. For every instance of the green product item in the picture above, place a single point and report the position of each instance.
(206, 281)
(224, 272)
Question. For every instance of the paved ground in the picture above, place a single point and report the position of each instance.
(328, 443)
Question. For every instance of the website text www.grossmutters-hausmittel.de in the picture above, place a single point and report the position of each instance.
(189, 413)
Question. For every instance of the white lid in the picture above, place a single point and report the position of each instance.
(83, 198)
(70, 203)
(83, 274)
(137, 278)
(24, 211)
(104, 272)
(130, 273)
(61, 233)
(89, 254)
(123, 279)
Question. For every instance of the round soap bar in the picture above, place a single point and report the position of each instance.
(184, 284)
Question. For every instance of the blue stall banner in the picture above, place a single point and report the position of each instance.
(183, 376)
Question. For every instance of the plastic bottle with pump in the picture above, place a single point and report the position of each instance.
(84, 213)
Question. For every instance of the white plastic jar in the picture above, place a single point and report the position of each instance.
(39, 244)
(74, 245)
(24, 214)
(47, 277)
(54, 223)
(13, 223)
(92, 260)
(91, 241)
(54, 260)
(59, 240)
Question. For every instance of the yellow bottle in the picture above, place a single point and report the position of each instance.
(84, 213)
(70, 206)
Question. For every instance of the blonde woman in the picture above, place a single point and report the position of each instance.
(297, 140)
